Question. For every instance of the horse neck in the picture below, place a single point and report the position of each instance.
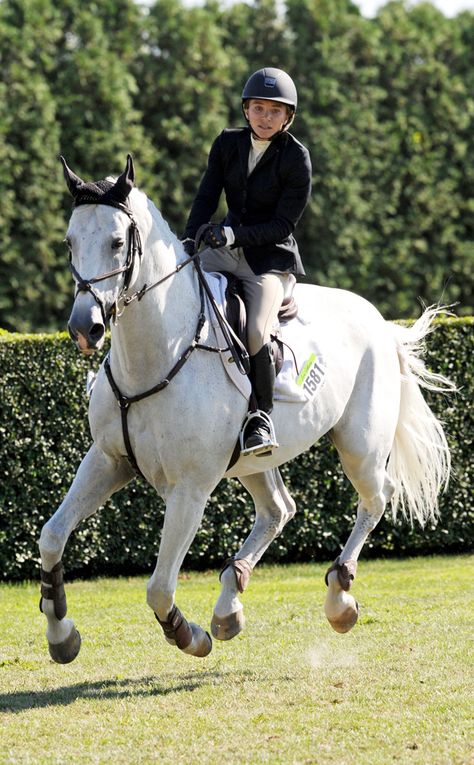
(152, 332)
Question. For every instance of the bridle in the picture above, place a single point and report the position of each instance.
(134, 251)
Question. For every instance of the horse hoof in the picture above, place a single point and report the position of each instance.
(201, 644)
(65, 652)
(227, 627)
(346, 620)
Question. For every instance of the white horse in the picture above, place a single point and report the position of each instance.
(182, 433)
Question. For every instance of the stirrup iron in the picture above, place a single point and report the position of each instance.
(260, 449)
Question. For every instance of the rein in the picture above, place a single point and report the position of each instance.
(238, 350)
(147, 287)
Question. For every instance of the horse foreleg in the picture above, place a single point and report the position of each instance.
(273, 509)
(184, 511)
(98, 477)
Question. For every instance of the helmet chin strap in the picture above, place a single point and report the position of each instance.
(289, 121)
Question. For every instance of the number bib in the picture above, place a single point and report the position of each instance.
(311, 378)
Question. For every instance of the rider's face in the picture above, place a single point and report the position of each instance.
(266, 118)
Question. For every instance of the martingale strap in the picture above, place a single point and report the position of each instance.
(124, 402)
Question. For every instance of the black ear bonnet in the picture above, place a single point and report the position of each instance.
(100, 192)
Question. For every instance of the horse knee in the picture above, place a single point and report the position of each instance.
(159, 599)
(286, 504)
(281, 510)
(275, 514)
(51, 545)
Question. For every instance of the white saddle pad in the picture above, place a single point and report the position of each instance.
(295, 383)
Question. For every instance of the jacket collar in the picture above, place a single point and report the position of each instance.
(244, 148)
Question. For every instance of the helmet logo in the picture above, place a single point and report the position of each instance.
(270, 82)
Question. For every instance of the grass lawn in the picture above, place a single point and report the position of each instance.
(397, 689)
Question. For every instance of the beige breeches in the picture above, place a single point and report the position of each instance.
(263, 293)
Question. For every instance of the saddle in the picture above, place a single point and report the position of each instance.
(236, 315)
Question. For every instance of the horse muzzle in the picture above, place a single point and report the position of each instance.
(86, 326)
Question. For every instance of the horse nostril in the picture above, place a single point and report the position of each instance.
(96, 332)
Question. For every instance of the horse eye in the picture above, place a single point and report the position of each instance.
(67, 242)
(117, 244)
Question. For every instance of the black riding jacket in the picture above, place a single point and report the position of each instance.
(263, 207)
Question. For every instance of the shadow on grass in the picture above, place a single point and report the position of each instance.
(104, 689)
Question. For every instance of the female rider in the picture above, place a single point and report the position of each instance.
(266, 176)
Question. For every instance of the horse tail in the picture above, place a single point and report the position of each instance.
(420, 460)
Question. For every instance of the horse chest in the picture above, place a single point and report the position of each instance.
(105, 420)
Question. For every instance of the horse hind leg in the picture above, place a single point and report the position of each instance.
(274, 507)
(341, 608)
(364, 438)
(97, 478)
(375, 489)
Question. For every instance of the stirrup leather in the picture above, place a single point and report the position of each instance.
(265, 448)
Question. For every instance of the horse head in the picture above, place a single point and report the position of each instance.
(103, 241)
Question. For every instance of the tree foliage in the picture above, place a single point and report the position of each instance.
(385, 107)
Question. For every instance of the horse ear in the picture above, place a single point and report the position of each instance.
(125, 182)
(73, 181)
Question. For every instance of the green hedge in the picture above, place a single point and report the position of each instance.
(44, 434)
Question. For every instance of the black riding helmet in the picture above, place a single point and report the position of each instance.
(271, 84)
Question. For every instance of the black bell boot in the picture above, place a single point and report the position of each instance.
(258, 432)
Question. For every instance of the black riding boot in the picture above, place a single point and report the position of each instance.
(259, 437)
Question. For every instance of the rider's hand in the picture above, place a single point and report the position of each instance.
(214, 236)
(189, 246)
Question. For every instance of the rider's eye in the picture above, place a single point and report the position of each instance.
(117, 244)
